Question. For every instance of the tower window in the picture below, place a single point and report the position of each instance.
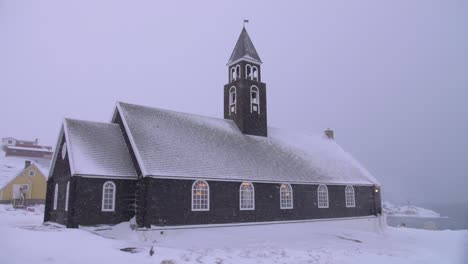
(233, 74)
(238, 74)
(254, 100)
(248, 72)
(255, 73)
(232, 100)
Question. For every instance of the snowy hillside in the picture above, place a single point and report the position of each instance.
(11, 166)
(408, 211)
(317, 242)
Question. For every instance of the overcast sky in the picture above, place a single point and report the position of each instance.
(390, 77)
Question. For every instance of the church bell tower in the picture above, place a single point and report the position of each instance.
(245, 94)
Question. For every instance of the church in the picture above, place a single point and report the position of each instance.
(171, 169)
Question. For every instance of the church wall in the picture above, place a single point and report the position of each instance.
(169, 203)
(87, 204)
(61, 175)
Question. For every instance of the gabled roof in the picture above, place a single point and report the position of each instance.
(97, 149)
(170, 144)
(244, 49)
(40, 168)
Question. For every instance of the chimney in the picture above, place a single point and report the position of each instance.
(27, 163)
(36, 141)
(330, 134)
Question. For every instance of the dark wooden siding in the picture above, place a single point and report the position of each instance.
(61, 174)
(88, 201)
(169, 203)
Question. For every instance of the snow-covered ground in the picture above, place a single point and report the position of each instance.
(408, 211)
(26, 240)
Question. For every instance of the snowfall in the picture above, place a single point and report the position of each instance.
(25, 239)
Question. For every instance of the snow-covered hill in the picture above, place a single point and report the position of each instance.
(26, 240)
(11, 166)
(408, 211)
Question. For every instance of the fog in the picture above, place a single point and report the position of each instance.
(391, 78)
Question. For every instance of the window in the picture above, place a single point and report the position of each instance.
(10, 142)
(64, 150)
(67, 195)
(349, 196)
(322, 194)
(248, 71)
(55, 196)
(232, 100)
(255, 73)
(32, 173)
(286, 196)
(108, 197)
(238, 72)
(200, 196)
(233, 74)
(247, 196)
(254, 100)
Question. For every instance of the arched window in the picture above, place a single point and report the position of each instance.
(349, 195)
(233, 74)
(322, 195)
(248, 71)
(255, 73)
(254, 100)
(108, 197)
(67, 194)
(247, 196)
(232, 100)
(64, 150)
(55, 196)
(286, 196)
(238, 72)
(200, 196)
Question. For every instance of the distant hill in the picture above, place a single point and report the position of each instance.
(408, 211)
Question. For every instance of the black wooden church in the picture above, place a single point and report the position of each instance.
(167, 168)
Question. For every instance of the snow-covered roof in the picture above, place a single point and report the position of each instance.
(12, 166)
(244, 49)
(30, 149)
(178, 145)
(97, 149)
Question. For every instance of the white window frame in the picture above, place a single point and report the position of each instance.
(233, 72)
(32, 173)
(55, 196)
(247, 75)
(64, 150)
(350, 196)
(284, 200)
(255, 76)
(322, 196)
(254, 89)
(113, 196)
(238, 72)
(67, 196)
(232, 103)
(198, 208)
(19, 187)
(246, 195)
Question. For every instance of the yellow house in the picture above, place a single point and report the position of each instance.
(27, 187)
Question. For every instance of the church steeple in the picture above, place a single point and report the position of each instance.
(244, 49)
(245, 94)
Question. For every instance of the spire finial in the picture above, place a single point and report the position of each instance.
(245, 21)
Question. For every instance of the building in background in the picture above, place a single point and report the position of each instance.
(27, 187)
(25, 148)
